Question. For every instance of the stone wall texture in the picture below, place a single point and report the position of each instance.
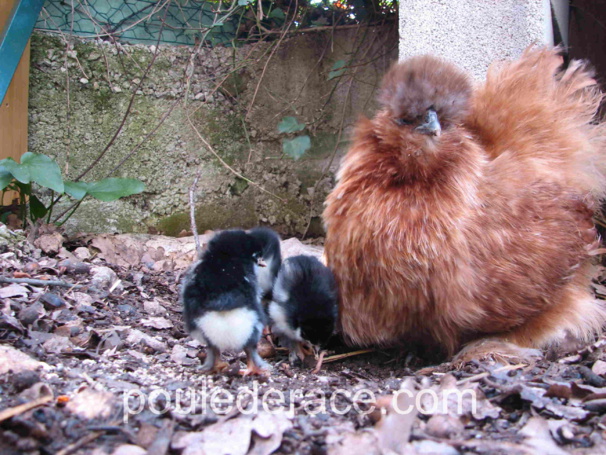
(78, 99)
(473, 33)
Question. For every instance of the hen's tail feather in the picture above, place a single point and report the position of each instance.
(545, 116)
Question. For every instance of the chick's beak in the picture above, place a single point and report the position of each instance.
(261, 262)
(432, 125)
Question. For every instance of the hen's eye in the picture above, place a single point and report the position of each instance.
(402, 121)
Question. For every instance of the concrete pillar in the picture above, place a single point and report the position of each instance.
(473, 33)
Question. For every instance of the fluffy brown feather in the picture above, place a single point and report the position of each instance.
(481, 225)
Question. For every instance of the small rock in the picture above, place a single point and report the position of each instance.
(74, 266)
(57, 344)
(65, 254)
(128, 309)
(266, 349)
(31, 314)
(84, 80)
(81, 298)
(136, 337)
(52, 301)
(433, 448)
(38, 390)
(154, 307)
(129, 449)
(179, 354)
(50, 243)
(15, 360)
(157, 323)
(24, 380)
(444, 426)
(599, 367)
(91, 404)
(103, 277)
(82, 253)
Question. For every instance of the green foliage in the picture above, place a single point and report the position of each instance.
(108, 190)
(290, 125)
(337, 69)
(297, 146)
(44, 171)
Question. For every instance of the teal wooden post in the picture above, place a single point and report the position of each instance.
(14, 38)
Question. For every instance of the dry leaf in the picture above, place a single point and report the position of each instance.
(15, 360)
(129, 449)
(599, 367)
(136, 337)
(91, 404)
(393, 430)
(231, 437)
(538, 437)
(13, 290)
(267, 431)
(157, 323)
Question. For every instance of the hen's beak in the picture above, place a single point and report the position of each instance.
(432, 125)
(261, 262)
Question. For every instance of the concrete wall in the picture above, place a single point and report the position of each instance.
(101, 77)
(473, 33)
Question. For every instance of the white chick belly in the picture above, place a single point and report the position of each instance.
(280, 324)
(228, 330)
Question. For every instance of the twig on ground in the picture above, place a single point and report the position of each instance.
(334, 358)
(80, 442)
(35, 282)
(17, 410)
(192, 213)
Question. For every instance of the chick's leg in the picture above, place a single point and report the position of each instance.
(213, 363)
(254, 363)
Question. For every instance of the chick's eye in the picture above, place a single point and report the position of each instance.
(402, 121)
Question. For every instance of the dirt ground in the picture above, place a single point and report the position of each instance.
(94, 359)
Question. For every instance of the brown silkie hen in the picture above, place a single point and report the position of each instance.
(464, 214)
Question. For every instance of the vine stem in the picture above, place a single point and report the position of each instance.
(130, 104)
(192, 212)
(284, 33)
(227, 166)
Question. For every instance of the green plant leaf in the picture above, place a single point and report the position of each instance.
(43, 170)
(335, 73)
(338, 64)
(290, 125)
(19, 172)
(77, 190)
(5, 177)
(24, 188)
(338, 68)
(36, 207)
(114, 188)
(277, 14)
(295, 148)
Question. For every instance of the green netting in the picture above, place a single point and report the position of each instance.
(137, 21)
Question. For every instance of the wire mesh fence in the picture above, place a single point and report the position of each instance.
(140, 21)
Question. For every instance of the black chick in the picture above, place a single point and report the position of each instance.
(221, 300)
(272, 257)
(304, 305)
